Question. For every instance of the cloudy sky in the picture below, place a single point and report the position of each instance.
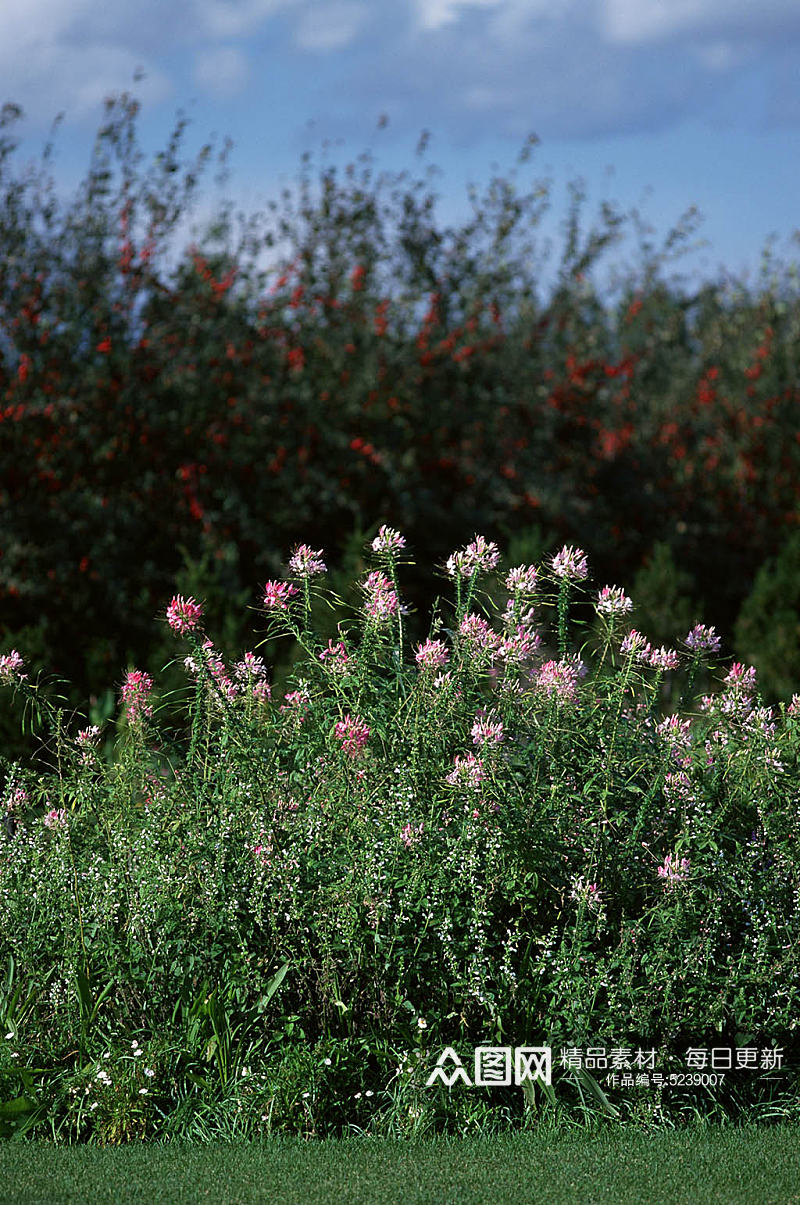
(697, 101)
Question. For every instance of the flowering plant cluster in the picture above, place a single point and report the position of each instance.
(410, 844)
(165, 408)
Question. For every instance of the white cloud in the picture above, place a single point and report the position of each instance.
(636, 22)
(330, 26)
(435, 14)
(235, 18)
(223, 70)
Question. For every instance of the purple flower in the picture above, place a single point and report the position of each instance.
(664, 659)
(558, 679)
(702, 640)
(636, 645)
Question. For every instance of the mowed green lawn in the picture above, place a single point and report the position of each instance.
(725, 1165)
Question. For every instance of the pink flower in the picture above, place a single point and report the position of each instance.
(409, 835)
(487, 729)
(17, 800)
(353, 733)
(305, 562)
(635, 645)
(612, 600)
(249, 667)
(476, 635)
(468, 772)
(336, 656)
(277, 595)
(570, 563)
(558, 679)
(388, 541)
(87, 738)
(136, 691)
(673, 871)
(741, 678)
(664, 659)
(381, 597)
(794, 706)
(184, 614)
(522, 579)
(478, 557)
(55, 818)
(702, 639)
(10, 667)
(432, 654)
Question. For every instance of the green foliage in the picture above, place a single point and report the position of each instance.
(268, 913)
(768, 627)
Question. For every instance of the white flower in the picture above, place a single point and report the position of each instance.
(143, 1091)
(149, 1072)
(9, 1035)
(422, 1023)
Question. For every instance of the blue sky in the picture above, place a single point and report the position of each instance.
(660, 104)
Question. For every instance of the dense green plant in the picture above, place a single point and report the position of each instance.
(169, 409)
(274, 915)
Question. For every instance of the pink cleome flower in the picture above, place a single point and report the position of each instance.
(570, 563)
(487, 729)
(558, 680)
(702, 640)
(305, 562)
(381, 597)
(353, 734)
(478, 557)
(336, 657)
(664, 659)
(10, 667)
(388, 541)
(136, 691)
(277, 595)
(468, 771)
(522, 579)
(636, 645)
(18, 800)
(55, 818)
(432, 654)
(476, 635)
(410, 834)
(612, 600)
(674, 871)
(184, 614)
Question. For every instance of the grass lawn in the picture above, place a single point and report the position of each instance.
(727, 1165)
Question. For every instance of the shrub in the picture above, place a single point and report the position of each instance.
(273, 916)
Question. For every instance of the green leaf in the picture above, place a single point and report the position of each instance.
(272, 987)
